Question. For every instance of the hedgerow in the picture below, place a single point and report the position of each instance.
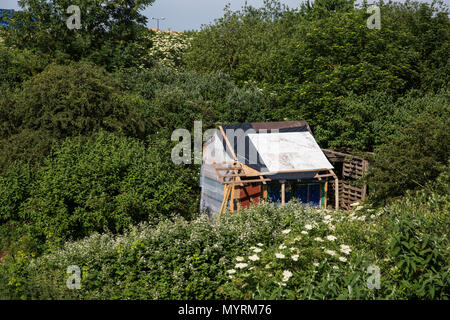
(292, 252)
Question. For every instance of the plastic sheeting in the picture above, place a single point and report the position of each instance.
(212, 189)
(290, 151)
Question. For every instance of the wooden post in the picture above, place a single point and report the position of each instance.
(336, 192)
(326, 193)
(283, 192)
(264, 193)
(232, 197)
(226, 195)
(336, 189)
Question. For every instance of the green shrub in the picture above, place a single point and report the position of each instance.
(106, 183)
(413, 157)
(175, 99)
(312, 58)
(325, 255)
(60, 102)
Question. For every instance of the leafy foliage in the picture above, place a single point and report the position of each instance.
(412, 158)
(313, 58)
(323, 256)
(64, 101)
(106, 183)
(174, 100)
(111, 34)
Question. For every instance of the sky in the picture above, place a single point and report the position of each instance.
(182, 15)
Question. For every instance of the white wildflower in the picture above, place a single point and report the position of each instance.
(345, 249)
(239, 259)
(257, 250)
(318, 239)
(330, 252)
(282, 246)
(279, 255)
(254, 257)
(259, 244)
(304, 232)
(241, 265)
(286, 231)
(295, 257)
(231, 271)
(308, 227)
(331, 238)
(286, 275)
(343, 259)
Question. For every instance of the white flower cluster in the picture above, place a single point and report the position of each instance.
(168, 47)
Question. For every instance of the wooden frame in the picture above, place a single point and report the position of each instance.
(243, 171)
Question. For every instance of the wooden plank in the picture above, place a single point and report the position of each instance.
(228, 143)
(326, 191)
(232, 198)
(231, 150)
(264, 193)
(283, 193)
(336, 193)
(227, 190)
(247, 181)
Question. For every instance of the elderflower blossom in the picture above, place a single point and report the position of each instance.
(254, 257)
(295, 257)
(286, 275)
(279, 255)
(286, 231)
(241, 265)
(345, 249)
(331, 238)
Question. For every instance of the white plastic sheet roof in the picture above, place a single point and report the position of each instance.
(290, 151)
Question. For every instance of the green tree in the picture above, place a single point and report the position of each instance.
(104, 183)
(111, 31)
(412, 158)
(64, 101)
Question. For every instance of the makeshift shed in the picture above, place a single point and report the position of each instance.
(257, 162)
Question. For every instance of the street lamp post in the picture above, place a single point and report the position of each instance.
(157, 21)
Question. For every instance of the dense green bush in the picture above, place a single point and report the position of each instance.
(106, 183)
(373, 119)
(112, 34)
(264, 253)
(64, 101)
(18, 65)
(313, 57)
(176, 99)
(412, 158)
